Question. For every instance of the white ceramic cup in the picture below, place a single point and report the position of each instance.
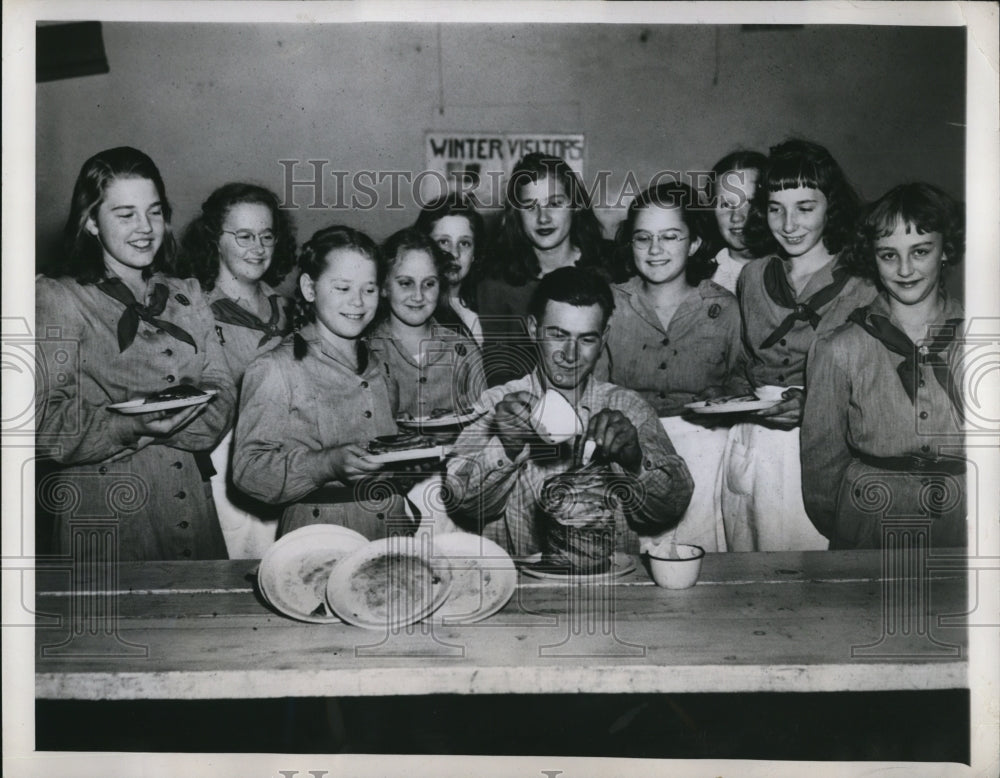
(675, 572)
(554, 419)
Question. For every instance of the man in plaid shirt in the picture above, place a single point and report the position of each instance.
(500, 465)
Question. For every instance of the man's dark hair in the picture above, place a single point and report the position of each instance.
(574, 286)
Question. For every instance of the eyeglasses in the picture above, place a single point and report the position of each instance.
(557, 203)
(644, 240)
(245, 239)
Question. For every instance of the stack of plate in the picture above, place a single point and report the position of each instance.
(325, 573)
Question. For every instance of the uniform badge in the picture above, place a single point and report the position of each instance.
(460, 349)
(714, 310)
(182, 299)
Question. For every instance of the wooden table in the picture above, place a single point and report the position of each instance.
(790, 621)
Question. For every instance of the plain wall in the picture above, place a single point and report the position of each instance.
(213, 103)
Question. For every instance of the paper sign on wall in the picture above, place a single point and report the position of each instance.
(478, 164)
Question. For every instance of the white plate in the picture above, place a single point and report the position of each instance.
(620, 565)
(483, 577)
(740, 407)
(136, 407)
(407, 454)
(451, 420)
(388, 584)
(293, 572)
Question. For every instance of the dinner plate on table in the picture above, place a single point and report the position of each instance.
(714, 406)
(621, 564)
(140, 406)
(388, 584)
(483, 577)
(433, 422)
(293, 572)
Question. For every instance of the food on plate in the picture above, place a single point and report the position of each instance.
(404, 441)
(394, 585)
(578, 520)
(741, 398)
(179, 392)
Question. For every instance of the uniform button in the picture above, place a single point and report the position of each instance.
(922, 382)
(423, 379)
(499, 463)
(184, 525)
(781, 378)
(102, 470)
(785, 361)
(186, 552)
(380, 516)
(663, 366)
(364, 384)
(661, 395)
(666, 341)
(169, 352)
(925, 481)
(675, 352)
(783, 342)
(177, 465)
(181, 495)
(925, 448)
(923, 414)
(315, 513)
(857, 492)
(368, 414)
(643, 346)
(159, 331)
(170, 379)
(648, 464)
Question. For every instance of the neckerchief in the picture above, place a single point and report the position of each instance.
(780, 291)
(128, 324)
(230, 312)
(932, 352)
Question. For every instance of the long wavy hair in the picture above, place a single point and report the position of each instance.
(799, 163)
(457, 205)
(920, 206)
(741, 159)
(82, 257)
(671, 194)
(511, 256)
(199, 252)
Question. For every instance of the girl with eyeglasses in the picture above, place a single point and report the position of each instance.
(883, 423)
(239, 248)
(800, 222)
(309, 407)
(730, 191)
(674, 337)
(116, 326)
(458, 229)
(547, 223)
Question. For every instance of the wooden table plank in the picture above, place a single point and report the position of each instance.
(755, 622)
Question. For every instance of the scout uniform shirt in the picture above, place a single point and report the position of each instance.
(859, 410)
(503, 495)
(292, 411)
(779, 327)
(244, 336)
(97, 350)
(449, 375)
(668, 368)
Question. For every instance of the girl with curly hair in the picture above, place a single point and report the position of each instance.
(674, 337)
(547, 223)
(239, 247)
(800, 222)
(883, 417)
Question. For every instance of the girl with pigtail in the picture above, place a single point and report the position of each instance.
(309, 407)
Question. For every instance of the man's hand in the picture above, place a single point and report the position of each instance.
(350, 463)
(617, 438)
(788, 413)
(512, 418)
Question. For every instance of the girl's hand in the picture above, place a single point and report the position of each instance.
(788, 413)
(350, 462)
(163, 424)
